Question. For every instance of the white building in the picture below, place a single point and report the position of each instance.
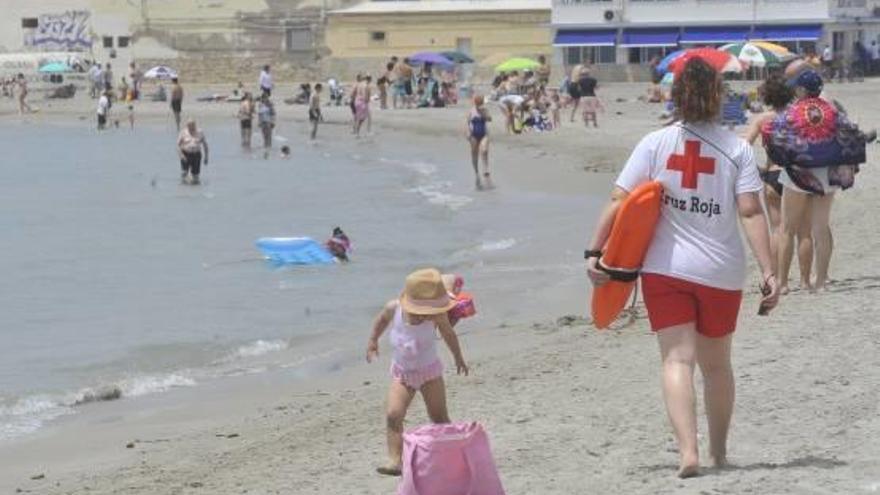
(65, 26)
(853, 21)
(634, 31)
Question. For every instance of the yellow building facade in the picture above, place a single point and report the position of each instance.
(487, 30)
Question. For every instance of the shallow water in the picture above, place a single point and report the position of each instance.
(119, 280)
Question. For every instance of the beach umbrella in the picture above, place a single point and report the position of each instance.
(720, 61)
(773, 47)
(458, 57)
(55, 68)
(160, 72)
(756, 55)
(429, 58)
(663, 66)
(517, 64)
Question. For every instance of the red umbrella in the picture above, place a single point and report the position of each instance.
(717, 59)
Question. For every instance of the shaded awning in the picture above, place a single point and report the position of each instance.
(650, 37)
(809, 32)
(715, 34)
(581, 37)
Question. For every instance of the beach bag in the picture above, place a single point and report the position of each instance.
(448, 459)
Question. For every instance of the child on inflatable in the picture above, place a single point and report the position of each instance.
(339, 245)
(415, 317)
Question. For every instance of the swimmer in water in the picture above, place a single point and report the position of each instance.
(339, 245)
(285, 152)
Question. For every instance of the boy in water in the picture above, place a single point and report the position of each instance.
(131, 116)
(103, 110)
(315, 109)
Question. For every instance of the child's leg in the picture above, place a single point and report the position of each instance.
(399, 399)
(434, 394)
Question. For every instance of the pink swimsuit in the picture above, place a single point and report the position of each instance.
(414, 359)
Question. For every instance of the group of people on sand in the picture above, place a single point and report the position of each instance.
(694, 271)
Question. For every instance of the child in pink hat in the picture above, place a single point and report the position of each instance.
(414, 318)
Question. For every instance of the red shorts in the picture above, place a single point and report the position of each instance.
(673, 301)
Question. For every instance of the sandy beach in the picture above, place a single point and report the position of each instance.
(568, 409)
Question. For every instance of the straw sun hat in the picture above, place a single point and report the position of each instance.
(424, 293)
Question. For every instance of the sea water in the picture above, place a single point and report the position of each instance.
(118, 281)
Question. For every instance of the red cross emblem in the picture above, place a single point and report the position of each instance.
(691, 164)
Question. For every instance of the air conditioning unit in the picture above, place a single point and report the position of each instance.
(612, 15)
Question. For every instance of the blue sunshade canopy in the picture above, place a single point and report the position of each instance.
(809, 32)
(581, 37)
(720, 34)
(650, 37)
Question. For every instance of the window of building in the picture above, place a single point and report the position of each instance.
(377, 37)
(590, 55)
(30, 22)
(644, 54)
(108, 41)
(123, 41)
(299, 39)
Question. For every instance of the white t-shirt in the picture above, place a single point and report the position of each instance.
(103, 105)
(265, 80)
(697, 237)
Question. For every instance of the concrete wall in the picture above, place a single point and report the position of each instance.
(506, 33)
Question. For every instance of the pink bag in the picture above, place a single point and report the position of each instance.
(448, 459)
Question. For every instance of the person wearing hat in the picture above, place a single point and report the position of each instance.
(414, 318)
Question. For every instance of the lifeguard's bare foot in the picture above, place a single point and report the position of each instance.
(718, 461)
(689, 466)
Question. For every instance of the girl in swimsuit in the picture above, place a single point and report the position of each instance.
(777, 95)
(415, 318)
(478, 135)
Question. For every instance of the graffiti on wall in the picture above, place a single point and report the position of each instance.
(65, 31)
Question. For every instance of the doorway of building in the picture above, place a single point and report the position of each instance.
(464, 45)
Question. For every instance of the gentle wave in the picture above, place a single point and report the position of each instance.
(435, 195)
(261, 347)
(502, 245)
(30, 413)
(422, 168)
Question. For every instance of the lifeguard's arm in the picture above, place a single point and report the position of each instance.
(451, 339)
(754, 223)
(603, 230)
(205, 147)
(380, 324)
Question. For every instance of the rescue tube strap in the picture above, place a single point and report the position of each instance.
(619, 274)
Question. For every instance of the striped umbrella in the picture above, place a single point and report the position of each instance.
(757, 54)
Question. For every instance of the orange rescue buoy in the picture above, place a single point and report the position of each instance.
(625, 250)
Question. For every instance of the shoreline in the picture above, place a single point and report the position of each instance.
(581, 405)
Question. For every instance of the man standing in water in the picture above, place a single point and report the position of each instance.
(103, 110)
(176, 100)
(23, 106)
(266, 83)
(190, 144)
(315, 116)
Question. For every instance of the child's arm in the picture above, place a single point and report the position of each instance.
(451, 339)
(379, 325)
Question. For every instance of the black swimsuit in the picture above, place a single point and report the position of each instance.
(771, 178)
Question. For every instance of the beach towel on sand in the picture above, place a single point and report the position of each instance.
(448, 459)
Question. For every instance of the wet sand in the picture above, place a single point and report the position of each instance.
(568, 409)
